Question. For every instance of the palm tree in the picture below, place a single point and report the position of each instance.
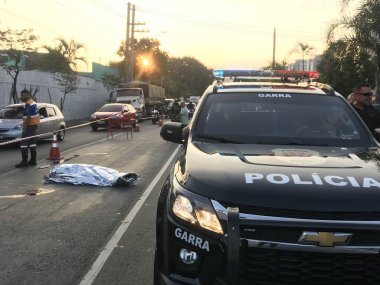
(363, 30)
(306, 50)
(68, 52)
(54, 61)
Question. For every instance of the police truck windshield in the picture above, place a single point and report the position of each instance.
(281, 119)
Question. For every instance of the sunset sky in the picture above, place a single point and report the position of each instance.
(219, 33)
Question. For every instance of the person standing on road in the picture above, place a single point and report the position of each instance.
(31, 119)
(361, 100)
(174, 112)
(184, 114)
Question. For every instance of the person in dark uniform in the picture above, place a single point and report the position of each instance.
(31, 119)
(361, 100)
(191, 108)
(176, 109)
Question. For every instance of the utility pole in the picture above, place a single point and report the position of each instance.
(274, 49)
(132, 55)
(130, 42)
(127, 45)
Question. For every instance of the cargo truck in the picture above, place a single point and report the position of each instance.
(141, 95)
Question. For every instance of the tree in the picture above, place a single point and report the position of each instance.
(186, 77)
(16, 45)
(362, 29)
(149, 49)
(146, 49)
(181, 77)
(53, 61)
(305, 50)
(277, 65)
(68, 83)
(344, 65)
(110, 82)
(63, 57)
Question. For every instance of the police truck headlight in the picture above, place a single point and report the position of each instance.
(183, 209)
(194, 209)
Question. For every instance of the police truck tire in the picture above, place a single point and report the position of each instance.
(94, 128)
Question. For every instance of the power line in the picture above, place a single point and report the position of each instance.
(71, 10)
(83, 16)
(27, 19)
(226, 25)
(43, 27)
(103, 6)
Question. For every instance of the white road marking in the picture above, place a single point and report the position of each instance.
(112, 243)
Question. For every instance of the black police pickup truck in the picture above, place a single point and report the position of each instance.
(276, 183)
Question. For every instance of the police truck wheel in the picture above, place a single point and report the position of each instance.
(94, 128)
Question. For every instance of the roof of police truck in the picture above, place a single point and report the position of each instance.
(280, 81)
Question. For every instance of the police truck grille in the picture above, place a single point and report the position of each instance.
(292, 236)
(267, 267)
(315, 215)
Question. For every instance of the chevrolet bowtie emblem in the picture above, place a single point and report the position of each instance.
(325, 238)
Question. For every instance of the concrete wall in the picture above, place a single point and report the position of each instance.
(89, 96)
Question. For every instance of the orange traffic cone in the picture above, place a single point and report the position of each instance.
(160, 122)
(54, 150)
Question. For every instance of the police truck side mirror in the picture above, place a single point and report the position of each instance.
(172, 132)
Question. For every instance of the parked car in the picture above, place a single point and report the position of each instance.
(99, 118)
(51, 120)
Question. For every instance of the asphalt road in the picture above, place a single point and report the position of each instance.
(82, 234)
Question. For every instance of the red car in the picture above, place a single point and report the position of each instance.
(99, 118)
